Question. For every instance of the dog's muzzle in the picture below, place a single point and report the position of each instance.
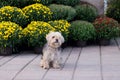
(56, 41)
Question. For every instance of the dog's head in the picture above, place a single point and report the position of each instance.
(55, 39)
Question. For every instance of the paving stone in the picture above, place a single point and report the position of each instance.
(87, 63)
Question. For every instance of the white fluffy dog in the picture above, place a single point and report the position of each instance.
(52, 50)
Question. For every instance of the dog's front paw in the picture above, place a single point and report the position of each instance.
(41, 63)
(56, 66)
(46, 67)
(44, 64)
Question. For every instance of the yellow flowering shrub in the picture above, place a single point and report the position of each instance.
(61, 26)
(37, 12)
(35, 33)
(10, 34)
(13, 14)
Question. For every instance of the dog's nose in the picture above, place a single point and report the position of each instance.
(56, 40)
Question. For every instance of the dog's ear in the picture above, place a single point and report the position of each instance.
(48, 36)
(62, 39)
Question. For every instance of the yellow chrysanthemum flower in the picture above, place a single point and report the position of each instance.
(36, 31)
(9, 33)
(37, 12)
(13, 14)
(61, 26)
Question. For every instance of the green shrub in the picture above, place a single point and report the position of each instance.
(37, 12)
(82, 31)
(3, 3)
(86, 12)
(35, 33)
(113, 9)
(10, 34)
(18, 3)
(13, 14)
(61, 26)
(23, 3)
(106, 28)
(68, 2)
(45, 2)
(62, 12)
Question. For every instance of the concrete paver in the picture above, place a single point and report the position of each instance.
(86, 63)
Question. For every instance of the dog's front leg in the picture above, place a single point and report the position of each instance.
(57, 60)
(46, 64)
(56, 64)
(41, 63)
(45, 60)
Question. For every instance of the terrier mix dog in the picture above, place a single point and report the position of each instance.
(51, 51)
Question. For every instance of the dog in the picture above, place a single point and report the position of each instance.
(52, 50)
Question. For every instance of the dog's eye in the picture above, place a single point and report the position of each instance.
(53, 37)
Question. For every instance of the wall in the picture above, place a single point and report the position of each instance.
(99, 4)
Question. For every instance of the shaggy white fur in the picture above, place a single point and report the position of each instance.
(51, 51)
